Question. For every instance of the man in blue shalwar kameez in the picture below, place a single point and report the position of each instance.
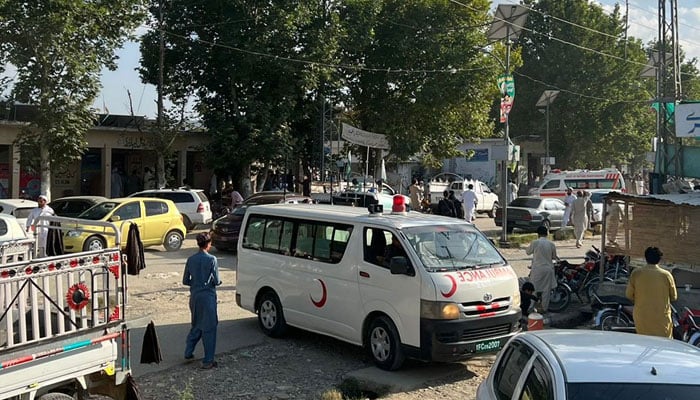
(202, 276)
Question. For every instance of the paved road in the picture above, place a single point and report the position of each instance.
(160, 282)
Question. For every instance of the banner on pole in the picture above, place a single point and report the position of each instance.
(364, 138)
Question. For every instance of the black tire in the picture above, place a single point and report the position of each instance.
(613, 319)
(271, 315)
(492, 212)
(559, 298)
(173, 241)
(94, 243)
(188, 223)
(384, 344)
(509, 229)
(55, 396)
(547, 224)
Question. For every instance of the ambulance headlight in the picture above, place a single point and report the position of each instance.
(515, 298)
(439, 310)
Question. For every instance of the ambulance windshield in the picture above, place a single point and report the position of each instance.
(453, 247)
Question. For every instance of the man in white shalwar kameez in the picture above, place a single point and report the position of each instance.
(579, 215)
(542, 274)
(568, 202)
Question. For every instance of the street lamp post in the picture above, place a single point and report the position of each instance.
(507, 24)
(543, 103)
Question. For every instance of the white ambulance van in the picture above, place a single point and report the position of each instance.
(554, 184)
(399, 284)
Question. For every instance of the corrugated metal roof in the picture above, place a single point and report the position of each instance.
(691, 199)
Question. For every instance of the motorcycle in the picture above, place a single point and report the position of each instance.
(577, 280)
(615, 313)
(688, 326)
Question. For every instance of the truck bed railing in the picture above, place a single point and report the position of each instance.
(42, 299)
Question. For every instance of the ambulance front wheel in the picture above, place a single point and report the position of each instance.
(384, 344)
(271, 316)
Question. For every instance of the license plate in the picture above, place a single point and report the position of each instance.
(487, 346)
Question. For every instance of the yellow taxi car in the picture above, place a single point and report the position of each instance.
(158, 220)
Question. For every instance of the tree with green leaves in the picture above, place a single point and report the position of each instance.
(59, 48)
(601, 117)
(249, 64)
(421, 77)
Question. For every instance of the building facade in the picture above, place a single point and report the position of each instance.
(115, 144)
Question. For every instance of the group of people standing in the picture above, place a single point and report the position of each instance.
(450, 206)
(123, 185)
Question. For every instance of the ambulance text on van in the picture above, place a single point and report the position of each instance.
(399, 284)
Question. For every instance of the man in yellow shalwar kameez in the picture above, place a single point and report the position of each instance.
(652, 290)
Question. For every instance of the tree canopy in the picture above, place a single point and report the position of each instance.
(59, 48)
(410, 69)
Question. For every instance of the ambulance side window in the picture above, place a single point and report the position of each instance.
(553, 184)
(254, 233)
(322, 242)
(305, 240)
(375, 242)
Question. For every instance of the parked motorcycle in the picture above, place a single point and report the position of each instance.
(560, 296)
(615, 313)
(688, 326)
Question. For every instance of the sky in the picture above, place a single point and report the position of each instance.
(643, 21)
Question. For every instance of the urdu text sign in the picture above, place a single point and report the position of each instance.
(688, 120)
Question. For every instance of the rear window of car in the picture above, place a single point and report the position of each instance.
(525, 202)
(22, 212)
(155, 207)
(202, 196)
(175, 197)
(630, 391)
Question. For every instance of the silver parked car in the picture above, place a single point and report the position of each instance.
(593, 365)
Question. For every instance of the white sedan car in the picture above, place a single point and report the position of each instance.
(593, 365)
(19, 208)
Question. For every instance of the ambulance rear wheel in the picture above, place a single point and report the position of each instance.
(270, 315)
(384, 344)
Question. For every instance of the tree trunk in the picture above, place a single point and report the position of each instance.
(246, 188)
(45, 171)
(160, 171)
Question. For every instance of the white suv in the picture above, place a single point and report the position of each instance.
(193, 204)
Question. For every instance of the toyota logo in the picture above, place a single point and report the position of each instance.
(488, 297)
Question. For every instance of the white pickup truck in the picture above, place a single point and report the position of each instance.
(63, 331)
(487, 200)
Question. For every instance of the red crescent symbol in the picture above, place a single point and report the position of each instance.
(324, 297)
(452, 290)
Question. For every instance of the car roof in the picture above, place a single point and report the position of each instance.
(98, 199)
(604, 356)
(169, 190)
(19, 203)
(123, 199)
(352, 215)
